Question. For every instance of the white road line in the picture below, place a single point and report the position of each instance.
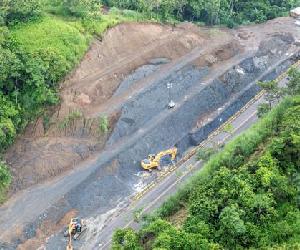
(178, 180)
(259, 95)
(152, 203)
(241, 125)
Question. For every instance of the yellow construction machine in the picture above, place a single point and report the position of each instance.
(74, 230)
(153, 161)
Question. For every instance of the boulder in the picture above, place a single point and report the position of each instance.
(295, 12)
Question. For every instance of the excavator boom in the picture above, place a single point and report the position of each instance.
(153, 161)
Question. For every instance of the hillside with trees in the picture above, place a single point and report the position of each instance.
(246, 196)
(228, 12)
(33, 63)
(40, 43)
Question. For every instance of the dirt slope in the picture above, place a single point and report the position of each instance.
(59, 141)
(44, 152)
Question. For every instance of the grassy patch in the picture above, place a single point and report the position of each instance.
(70, 119)
(52, 33)
(114, 17)
(178, 218)
(103, 124)
(5, 180)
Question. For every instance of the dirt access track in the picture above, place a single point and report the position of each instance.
(65, 164)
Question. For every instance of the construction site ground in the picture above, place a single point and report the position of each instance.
(70, 166)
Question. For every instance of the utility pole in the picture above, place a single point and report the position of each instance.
(171, 104)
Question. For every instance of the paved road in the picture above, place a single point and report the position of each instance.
(169, 185)
(155, 197)
(27, 205)
(24, 207)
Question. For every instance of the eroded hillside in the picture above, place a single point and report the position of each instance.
(84, 169)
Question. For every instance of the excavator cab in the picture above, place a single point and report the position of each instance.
(75, 225)
(75, 228)
(151, 157)
(153, 161)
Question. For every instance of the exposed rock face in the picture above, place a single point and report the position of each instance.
(232, 90)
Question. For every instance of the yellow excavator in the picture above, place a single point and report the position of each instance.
(153, 161)
(74, 230)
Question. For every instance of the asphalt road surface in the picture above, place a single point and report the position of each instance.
(25, 206)
(163, 189)
(169, 185)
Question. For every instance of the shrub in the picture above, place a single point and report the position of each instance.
(70, 118)
(5, 180)
(229, 128)
(263, 109)
(103, 124)
(245, 197)
(205, 153)
(235, 154)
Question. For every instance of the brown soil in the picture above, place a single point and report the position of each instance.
(123, 49)
(48, 150)
(47, 228)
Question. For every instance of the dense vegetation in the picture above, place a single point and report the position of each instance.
(229, 12)
(40, 42)
(247, 196)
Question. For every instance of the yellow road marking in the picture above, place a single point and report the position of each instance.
(201, 145)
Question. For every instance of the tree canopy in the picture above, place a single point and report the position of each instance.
(249, 199)
(14, 11)
(229, 12)
(32, 63)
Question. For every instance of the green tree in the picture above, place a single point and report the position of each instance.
(125, 240)
(232, 227)
(273, 92)
(81, 8)
(293, 85)
(229, 12)
(5, 179)
(9, 119)
(14, 11)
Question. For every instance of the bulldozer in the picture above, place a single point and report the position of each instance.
(153, 161)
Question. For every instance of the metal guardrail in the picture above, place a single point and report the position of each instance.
(190, 154)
